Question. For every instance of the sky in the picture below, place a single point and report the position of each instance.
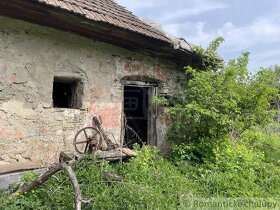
(246, 25)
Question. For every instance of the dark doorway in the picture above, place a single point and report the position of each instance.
(136, 109)
(64, 94)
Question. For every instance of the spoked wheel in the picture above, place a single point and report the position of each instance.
(87, 139)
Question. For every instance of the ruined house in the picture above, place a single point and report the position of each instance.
(64, 61)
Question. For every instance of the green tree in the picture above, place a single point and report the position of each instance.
(276, 101)
(224, 100)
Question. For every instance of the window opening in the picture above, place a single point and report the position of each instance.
(65, 93)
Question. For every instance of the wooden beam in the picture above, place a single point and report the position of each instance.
(66, 21)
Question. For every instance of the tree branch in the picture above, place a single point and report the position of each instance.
(77, 191)
(41, 179)
(56, 168)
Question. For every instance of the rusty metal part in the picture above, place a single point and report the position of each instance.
(87, 139)
(91, 139)
(98, 122)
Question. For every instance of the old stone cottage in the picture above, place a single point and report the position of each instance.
(64, 61)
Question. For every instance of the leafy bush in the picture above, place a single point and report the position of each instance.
(220, 132)
(236, 171)
(264, 140)
(150, 182)
(197, 151)
(220, 101)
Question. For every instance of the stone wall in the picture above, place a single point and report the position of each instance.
(32, 132)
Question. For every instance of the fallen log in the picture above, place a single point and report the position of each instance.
(111, 155)
(40, 179)
(115, 154)
(67, 166)
(128, 152)
(77, 192)
(66, 162)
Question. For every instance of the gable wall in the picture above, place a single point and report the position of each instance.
(32, 132)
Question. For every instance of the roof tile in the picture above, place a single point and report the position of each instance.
(109, 12)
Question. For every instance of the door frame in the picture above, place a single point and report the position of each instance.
(152, 108)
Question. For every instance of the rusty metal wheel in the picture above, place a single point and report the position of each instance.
(87, 139)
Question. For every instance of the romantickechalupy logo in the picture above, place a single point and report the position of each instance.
(229, 203)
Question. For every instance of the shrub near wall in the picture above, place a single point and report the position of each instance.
(216, 132)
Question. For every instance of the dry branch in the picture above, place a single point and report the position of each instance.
(49, 189)
(56, 168)
(63, 157)
(41, 179)
(77, 191)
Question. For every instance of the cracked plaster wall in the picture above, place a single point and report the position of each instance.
(31, 130)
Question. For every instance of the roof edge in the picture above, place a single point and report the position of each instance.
(177, 50)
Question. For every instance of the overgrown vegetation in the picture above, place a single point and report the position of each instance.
(224, 127)
(225, 144)
(150, 182)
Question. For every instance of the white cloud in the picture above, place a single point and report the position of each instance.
(255, 38)
(244, 28)
(136, 4)
(192, 8)
(262, 56)
(262, 31)
(265, 58)
(170, 11)
(192, 31)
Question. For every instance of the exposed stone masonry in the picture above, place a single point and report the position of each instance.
(31, 130)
